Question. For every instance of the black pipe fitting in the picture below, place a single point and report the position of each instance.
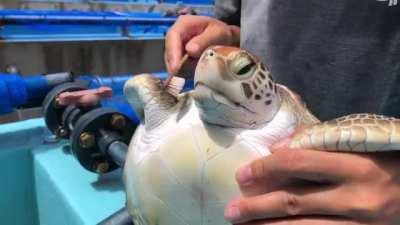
(111, 145)
(121, 217)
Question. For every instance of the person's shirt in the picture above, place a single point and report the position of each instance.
(340, 56)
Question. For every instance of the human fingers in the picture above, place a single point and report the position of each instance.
(178, 35)
(283, 167)
(306, 220)
(216, 33)
(296, 201)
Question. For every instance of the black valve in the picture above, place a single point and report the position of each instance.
(99, 136)
(100, 139)
(58, 118)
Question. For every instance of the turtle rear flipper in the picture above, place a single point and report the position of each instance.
(151, 101)
(353, 133)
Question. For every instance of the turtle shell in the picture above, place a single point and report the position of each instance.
(183, 172)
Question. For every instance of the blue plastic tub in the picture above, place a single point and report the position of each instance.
(43, 183)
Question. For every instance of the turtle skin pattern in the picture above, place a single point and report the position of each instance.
(352, 133)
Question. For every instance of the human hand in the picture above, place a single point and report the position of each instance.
(308, 187)
(192, 35)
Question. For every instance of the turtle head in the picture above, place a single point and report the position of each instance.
(233, 88)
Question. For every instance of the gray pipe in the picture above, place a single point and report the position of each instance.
(121, 217)
(117, 151)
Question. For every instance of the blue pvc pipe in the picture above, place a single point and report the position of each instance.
(109, 17)
(56, 25)
(36, 87)
(118, 100)
(17, 91)
(117, 82)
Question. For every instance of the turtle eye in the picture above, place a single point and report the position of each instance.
(245, 69)
(242, 65)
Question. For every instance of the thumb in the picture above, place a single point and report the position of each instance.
(212, 35)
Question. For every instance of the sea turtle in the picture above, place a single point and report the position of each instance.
(182, 159)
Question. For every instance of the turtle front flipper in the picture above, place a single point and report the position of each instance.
(150, 99)
(352, 133)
